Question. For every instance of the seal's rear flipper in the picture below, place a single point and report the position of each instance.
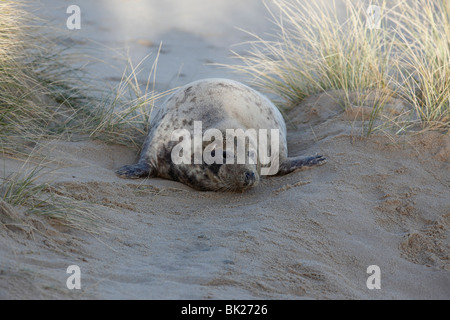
(291, 164)
(136, 171)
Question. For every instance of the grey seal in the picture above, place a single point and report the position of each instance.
(221, 104)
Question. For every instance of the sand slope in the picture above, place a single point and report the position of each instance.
(310, 234)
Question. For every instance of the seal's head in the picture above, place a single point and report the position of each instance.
(231, 158)
(218, 166)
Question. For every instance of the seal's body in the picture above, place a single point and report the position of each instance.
(220, 104)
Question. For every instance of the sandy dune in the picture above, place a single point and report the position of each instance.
(309, 234)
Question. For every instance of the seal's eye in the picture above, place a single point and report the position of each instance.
(215, 168)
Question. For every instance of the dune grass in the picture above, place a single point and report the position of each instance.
(25, 189)
(35, 101)
(123, 116)
(317, 50)
(423, 40)
(38, 100)
(42, 96)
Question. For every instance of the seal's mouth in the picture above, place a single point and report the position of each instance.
(249, 179)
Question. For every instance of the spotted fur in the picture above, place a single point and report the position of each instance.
(221, 104)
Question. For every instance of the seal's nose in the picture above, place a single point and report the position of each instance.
(249, 178)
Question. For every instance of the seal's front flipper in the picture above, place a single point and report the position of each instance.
(136, 171)
(291, 164)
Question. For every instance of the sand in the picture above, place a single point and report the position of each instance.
(311, 234)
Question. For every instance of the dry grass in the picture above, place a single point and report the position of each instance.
(316, 51)
(37, 100)
(38, 97)
(123, 117)
(423, 41)
(43, 97)
(30, 189)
